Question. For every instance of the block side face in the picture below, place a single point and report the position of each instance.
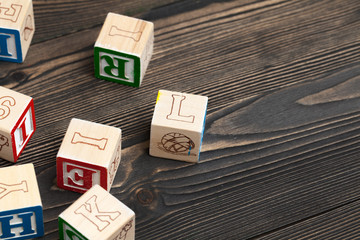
(147, 52)
(68, 232)
(10, 45)
(23, 130)
(22, 223)
(79, 176)
(89, 142)
(115, 66)
(114, 165)
(27, 30)
(126, 232)
(176, 144)
(6, 146)
(18, 187)
(98, 214)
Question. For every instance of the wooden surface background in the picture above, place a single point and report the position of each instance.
(281, 151)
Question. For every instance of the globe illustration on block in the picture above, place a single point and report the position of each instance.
(177, 143)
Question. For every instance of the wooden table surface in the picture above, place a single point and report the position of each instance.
(281, 150)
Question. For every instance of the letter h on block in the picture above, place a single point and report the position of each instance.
(17, 123)
(20, 203)
(97, 215)
(89, 154)
(177, 126)
(16, 29)
(123, 49)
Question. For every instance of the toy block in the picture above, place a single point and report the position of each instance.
(89, 154)
(97, 215)
(17, 29)
(177, 126)
(21, 212)
(123, 49)
(17, 123)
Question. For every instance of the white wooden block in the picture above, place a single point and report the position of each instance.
(123, 49)
(21, 212)
(89, 154)
(97, 215)
(17, 28)
(177, 126)
(17, 123)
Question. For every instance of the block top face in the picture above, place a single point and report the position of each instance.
(18, 187)
(97, 213)
(12, 106)
(13, 13)
(124, 34)
(89, 142)
(180, 110)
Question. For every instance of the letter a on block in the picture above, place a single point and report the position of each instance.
(91, 212)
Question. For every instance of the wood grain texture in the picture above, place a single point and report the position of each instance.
(281, 145)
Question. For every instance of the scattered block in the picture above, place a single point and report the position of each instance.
(97, 215)
(21, 212)
(17, 123)
(177, 126)
(89, 154)
(123, 49)
(16, 29)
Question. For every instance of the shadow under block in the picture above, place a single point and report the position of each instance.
(97, 215)
(17, 123)
(177, 126)
(123, 49)
(17, 29)
(89, 154)
(21, 212)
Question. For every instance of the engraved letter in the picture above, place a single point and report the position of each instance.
(176, 108)
(6, 226)
(90, 211)
(111, 66)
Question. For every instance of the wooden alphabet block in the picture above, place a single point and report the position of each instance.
(21, 212)
(16, 29)
(123, 49)
(17, 123)
(97, 215)
(89, 154)
(177, 126)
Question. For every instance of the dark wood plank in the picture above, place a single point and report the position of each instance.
(58, 18)
(281, 145)
(339, 223)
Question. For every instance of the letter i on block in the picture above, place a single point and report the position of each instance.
(177, 126)
(17, 123)
(89, 154)
(97, 215)
(123, 49)
(21, 212)
(16, 29)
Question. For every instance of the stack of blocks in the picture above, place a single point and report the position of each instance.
(177, 126)
(97, 215)
(89, 154)
(123, 49)
(17, 123)
(16, 29)
(20, 203)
